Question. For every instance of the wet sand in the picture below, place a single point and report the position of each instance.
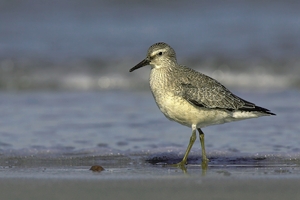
(135, 179)
(161, 188)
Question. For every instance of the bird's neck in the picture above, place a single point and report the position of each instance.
(161, 77)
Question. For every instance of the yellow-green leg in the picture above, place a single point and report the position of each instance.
(192, 140)
(201, 136)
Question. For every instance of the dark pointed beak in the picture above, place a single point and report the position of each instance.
(141, 64)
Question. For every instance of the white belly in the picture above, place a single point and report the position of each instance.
(181, 111)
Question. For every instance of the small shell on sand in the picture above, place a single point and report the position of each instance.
(97, 168)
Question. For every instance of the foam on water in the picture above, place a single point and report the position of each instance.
(73, 45)
(116, 76)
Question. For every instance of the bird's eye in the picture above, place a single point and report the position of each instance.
(160, 53)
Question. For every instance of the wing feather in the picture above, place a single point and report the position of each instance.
(209, 93)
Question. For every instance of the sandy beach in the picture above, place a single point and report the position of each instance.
(136, 179)
(153, 188)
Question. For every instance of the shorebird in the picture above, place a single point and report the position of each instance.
(192, 98)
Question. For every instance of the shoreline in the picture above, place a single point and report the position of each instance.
(161, 188)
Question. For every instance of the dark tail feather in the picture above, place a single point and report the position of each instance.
(257, 109)
(252, 107)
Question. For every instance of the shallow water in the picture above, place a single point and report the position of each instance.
(130, 121)
(125, 128)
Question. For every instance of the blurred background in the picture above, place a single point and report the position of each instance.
(65, 85)
(91, 44)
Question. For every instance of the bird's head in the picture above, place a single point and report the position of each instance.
(159, 55)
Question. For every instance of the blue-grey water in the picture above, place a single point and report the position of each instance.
(66, 90)
(113, 123)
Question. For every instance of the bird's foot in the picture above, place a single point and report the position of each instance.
(180, 165)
